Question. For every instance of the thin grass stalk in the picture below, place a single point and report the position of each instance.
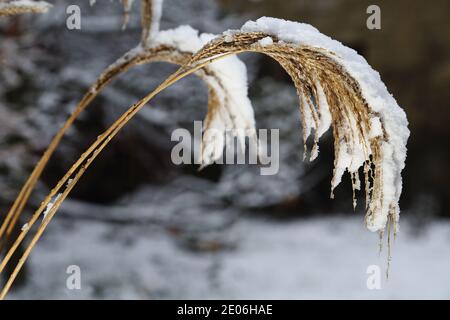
(150, 55)
(64, 180)
(87, 158)
(17, 208)
(19, 204)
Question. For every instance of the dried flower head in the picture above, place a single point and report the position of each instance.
(11, 8)
(337, 88)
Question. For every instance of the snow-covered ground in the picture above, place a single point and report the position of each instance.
(324, 258)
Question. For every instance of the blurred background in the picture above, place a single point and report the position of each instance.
(140, 227)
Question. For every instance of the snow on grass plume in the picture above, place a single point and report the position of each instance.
(23, 6)
(337, 88)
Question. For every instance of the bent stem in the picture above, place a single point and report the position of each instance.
(120, 66)
(80, 166)
(104, 79)
(19, 204)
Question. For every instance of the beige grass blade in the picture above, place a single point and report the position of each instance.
(146, 21)
(163, 52)
(77, 170)
(133, 58)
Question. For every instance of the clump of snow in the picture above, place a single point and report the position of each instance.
(184, 38)
(157, 7)
(380, 102)
(50, 205)
(228, 37)
(24, 227)
(376, 128)
(267, 41)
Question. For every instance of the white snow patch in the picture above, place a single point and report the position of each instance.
(267, 41)
(376, 129)
(314, 258)
(157, 7)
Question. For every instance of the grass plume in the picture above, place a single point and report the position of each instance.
(12, 8)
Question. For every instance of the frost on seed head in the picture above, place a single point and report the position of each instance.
(16, 7)
(337, 89)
